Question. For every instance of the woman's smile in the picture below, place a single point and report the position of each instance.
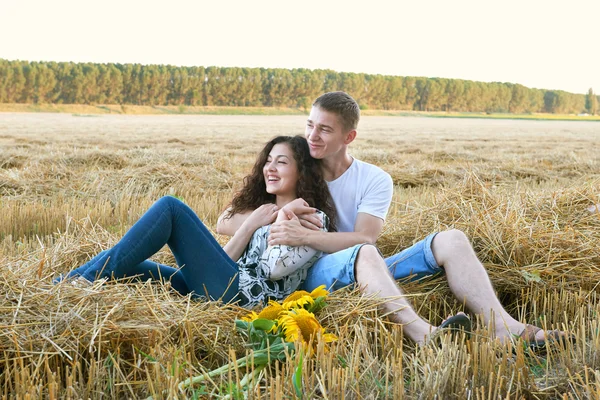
(281, 172)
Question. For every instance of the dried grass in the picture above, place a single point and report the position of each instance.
(71, 187)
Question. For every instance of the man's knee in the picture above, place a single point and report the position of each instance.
(452, 237)
(368, 252)
(449, 243)
(367, 256)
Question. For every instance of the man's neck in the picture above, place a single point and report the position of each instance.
(334, 167)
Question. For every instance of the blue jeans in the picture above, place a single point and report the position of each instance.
(336, 270)
(205, 269)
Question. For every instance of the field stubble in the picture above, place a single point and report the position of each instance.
(71, 186)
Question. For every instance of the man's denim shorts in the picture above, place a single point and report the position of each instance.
(336, 270)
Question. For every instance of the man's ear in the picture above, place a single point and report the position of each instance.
(350, 136)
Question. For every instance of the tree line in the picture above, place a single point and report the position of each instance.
(91, 83)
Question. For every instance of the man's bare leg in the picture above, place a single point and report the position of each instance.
(469, 282)
(374, 277)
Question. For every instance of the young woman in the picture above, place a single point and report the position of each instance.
(284, 176)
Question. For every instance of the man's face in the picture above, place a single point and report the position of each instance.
(325, 133)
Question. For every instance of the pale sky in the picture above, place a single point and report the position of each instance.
(545, 44)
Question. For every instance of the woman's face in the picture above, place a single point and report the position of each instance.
(281, 171)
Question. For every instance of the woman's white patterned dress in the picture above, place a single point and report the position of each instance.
(273, 272)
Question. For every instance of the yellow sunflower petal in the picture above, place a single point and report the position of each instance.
(290, 328)
(296, 295)
(250, 317)
(319, 292)
(273, 330)
(329, 337)
(299, 324)
(298, 302)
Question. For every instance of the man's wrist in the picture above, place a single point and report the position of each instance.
(310, 237)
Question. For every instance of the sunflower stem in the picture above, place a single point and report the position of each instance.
(249, 378)
(259, 358)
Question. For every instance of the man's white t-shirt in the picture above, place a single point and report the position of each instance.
(363, 188)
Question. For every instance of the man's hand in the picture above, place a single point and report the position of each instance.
(306, 214)
(287, 230)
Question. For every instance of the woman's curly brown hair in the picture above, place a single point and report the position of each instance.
(311, 186)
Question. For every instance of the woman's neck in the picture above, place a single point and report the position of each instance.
(282, 200)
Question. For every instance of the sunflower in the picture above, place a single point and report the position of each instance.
(300, 298)
(250, 317)
(319, 292)
(301, 324)
(272, 311)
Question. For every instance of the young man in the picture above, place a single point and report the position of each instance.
(362, 194)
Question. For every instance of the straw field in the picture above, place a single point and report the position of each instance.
(71, 185)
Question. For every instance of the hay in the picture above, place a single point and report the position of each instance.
(63, 325)
(66, 197)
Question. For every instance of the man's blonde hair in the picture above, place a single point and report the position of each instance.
(342, 104)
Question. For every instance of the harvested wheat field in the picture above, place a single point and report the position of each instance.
(71, 185)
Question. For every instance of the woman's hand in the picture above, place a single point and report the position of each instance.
(299, 205)
(263, 215)
(306, 214)
(285, 215)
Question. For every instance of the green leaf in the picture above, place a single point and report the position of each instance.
(318, 305)
(297, 377)
(241, 325)
(146, 356)
(531, 276)
(233, 391)
(257, 337)
(197, 393)
(263, 324)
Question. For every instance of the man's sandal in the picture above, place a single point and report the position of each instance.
(554, 336)
(456, 323)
